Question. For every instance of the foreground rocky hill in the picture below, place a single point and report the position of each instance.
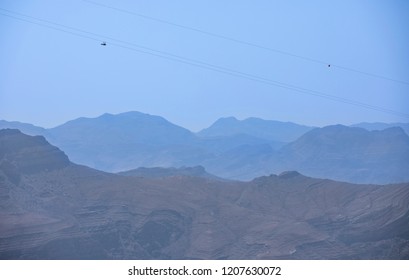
(51, 208)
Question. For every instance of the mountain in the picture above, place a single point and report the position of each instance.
(349, 154)
(221, 144)
(336, 152)
(126, 141)
(244, 147)
(61, 210)
(130, 127)
(130, 140)
(29, 154)
(160, 172)
(26, 128)
(263, 129)
(382, 126)
(232, 149)
(243, 162)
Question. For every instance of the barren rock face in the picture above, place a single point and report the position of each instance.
(53, 209)
(29, 154)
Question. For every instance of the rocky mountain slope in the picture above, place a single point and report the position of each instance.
(350, 154)
(51, 208)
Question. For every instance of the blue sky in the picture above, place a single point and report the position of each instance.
(49, 76)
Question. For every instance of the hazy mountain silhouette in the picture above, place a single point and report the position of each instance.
(26, 128)
(244, 162)
(382, 126)
(336, 152)
(263, 129)
(221, 144)
(59, 210)
(349, 154)
(125, 141)
(233, 149)
(159, 172)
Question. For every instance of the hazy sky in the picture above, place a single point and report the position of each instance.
(51, 75)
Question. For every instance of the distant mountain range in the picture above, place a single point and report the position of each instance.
(51, 208)
(233, 149)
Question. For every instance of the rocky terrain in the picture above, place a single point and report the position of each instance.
(51, 208)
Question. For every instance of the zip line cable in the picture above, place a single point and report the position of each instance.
(242, 42)
(200, 64)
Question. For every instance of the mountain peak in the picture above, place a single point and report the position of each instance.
(129, 114)
(224, 120)
(289, 174)
(264, 129)
(29, 154)
(106, 115)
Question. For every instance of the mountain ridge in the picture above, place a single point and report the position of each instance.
(375, 153)
(75, 212)
(260, 128)
(130, 140)
(161, 172)
(381, 126)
